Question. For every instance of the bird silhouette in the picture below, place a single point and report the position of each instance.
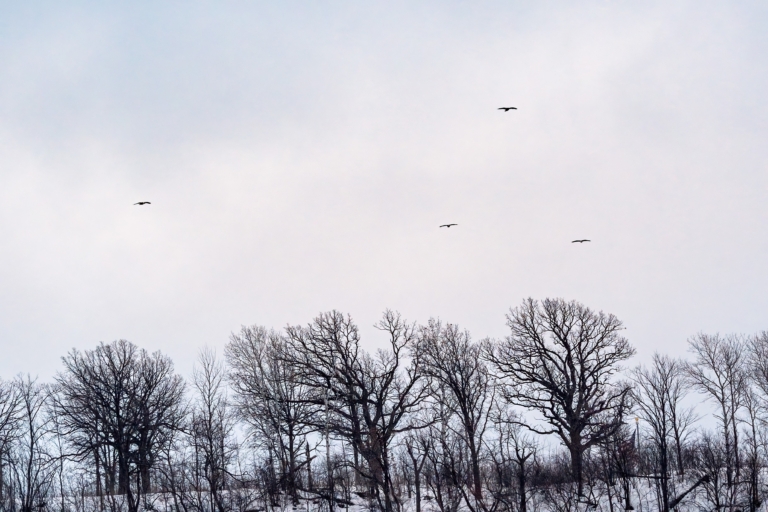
(141, 203)
(580, 241)
(447, 225)
(507, 109)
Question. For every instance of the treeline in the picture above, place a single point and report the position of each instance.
(305, 417)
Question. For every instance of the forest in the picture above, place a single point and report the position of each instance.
(553, 417)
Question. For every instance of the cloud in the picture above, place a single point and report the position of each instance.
(300, 158)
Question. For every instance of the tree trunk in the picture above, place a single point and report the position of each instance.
(356, 461)
(736, 456)
(664, 477)
(309, 468)
(291, 480)
(123, 476)
(627, 497)
(417, 485)
(728, 451)
(99, 490)
(146, 484)
(679, 448)
(521, 489)
(576, 452)
(477, 489)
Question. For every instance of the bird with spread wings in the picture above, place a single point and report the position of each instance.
(141, 203)
(447, 225)
(507, 109)
(580, 241)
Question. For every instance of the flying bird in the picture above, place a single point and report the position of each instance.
(447, 225)
(507, 109)
(580, 241)
(141, 203)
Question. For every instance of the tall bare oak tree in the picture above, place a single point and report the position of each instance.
(559, 360)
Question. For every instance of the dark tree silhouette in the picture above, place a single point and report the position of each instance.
(514, 451)
(9, 419)
(370, 399)
(558, 361)
(118, 399)
(450, 358)
(271, 399)
(657, 393)
(719, 371)
(212, 426)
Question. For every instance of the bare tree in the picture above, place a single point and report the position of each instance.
(756, 404)
(117, 403)
(719, 371)
(752, 458)
(710, 459)
(417, 446)
(682, 417)
(450, 358)
(95, 404)
(619, 457)
(758, 362)
(657, 394)
(514, 449)
(32, 463)
(559, 360)
(272, 399)
(370, 398)
(447, 467)
(431, 411)
(158, 396)
(212, 425)
(9, 423)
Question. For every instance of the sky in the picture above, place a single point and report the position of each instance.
(300, 156)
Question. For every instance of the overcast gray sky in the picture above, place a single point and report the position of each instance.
(299, 157)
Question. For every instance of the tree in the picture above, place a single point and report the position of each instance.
(32, 464)
(9, 423)
(97, 409)
(450, 358)
(752, 457)
(513, 447)
(369, 398)
(158, 397)
(682, 417)
(719, 371)
(120, 402)
(708, 464)
(417, 447)
(447, 469)
(657, 395)
(757, 364)
(212, 425)
(620, 458)
(272, 399)
(558, 361)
